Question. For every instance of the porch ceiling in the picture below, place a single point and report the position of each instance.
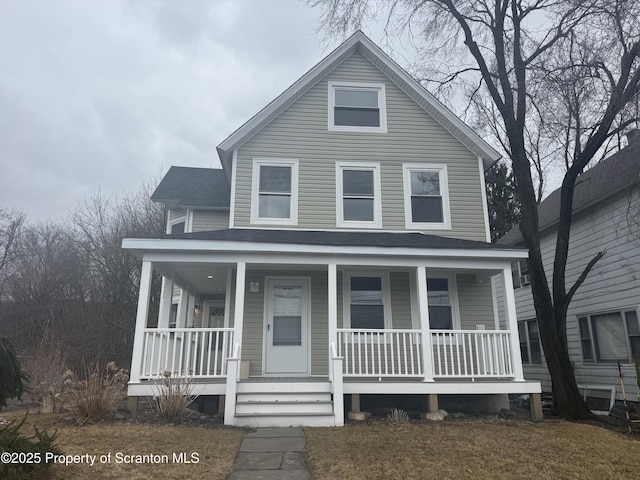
(202, 278)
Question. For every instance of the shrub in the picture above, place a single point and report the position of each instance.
(397, 416)
(99, 394)
(173, 399)
(34, 448)
(46, 387)
(13, 378)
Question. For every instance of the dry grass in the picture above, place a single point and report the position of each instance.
(472, 449)
(216, 448)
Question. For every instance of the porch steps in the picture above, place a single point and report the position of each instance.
(264, 404)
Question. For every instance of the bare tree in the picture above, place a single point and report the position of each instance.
(11, 221)
(574, 64)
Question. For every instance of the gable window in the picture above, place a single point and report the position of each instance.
(357, 107)
(367, 306)
(426, 196)
(609, 337)
(275, 191)
(520, 273)
(529, 342)
(358, 195)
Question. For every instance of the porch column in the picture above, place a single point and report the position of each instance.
(238, 317)
(512, 323)
(165, 303)
(142, 316)
(423, 312)
(332, 286)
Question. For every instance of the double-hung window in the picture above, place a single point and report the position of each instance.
(367, 307)
(529, 342)
(440, 304)
(275, 191)
(426, 197)
(358, 195)
(520, 273)
(357, 107)
(609, 337)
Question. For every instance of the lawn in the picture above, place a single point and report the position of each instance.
(488, 448)
(120, 443)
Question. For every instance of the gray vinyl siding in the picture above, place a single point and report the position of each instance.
(207, 220)
(476, 303)
(613, 285)
(400, 300)
(301, 133)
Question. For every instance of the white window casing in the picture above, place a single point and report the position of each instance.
(433, 194)
(357, 107)
(358, 200)
(283, 196)
(385, 295)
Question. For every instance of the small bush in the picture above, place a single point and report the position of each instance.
(46, 367)
(173, 399)
(397, 416)
(13, 379)
(33, 448)
(99, 394)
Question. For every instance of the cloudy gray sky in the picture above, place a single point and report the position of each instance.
(106, 95)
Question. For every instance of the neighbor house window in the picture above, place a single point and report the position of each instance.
(610, 337)
(275, 191)
(357, 107)
(520, 273)
(529, 342)
(368, 305)
(426, 196)
(358, 195)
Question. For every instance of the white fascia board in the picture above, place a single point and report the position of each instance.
(204, 246)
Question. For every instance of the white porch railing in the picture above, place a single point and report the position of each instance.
(380, 353)
(186, 352)
(471, 353)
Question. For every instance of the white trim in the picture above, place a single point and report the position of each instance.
(494, 300)
(188, 224)
(442, 387)
(377, 195)
(232, 200)
(255, 190)
(439, 168)
(227, 297)
(485, 205)
(346, 295)
(512, 322)
(382, 106)
(306, 289)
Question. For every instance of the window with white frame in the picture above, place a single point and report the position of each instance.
(530, 351)
(368, 301)
(275, 191)
(440, 301)
(357, 107)
(426, 196)
(520, 273)
(609, 337)
(358, 195)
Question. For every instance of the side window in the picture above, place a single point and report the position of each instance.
(520, 273)
(426, 196)
(357, 107)
(358, 199)
(275, 192)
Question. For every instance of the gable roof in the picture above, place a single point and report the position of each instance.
(193, 187)
(358, 42)
(608, 178)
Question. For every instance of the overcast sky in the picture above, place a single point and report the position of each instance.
(107, 95)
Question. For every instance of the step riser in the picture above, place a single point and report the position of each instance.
(284, 397)
(285, 421)
(265, 387)
(279, 408)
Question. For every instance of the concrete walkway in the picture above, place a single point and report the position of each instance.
(271, 454)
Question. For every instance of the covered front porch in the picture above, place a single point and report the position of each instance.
(284, 336)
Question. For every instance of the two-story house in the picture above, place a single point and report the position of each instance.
(602, 320)
(342, 249)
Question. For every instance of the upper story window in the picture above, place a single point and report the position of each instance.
(357, 107)
(426, 197)
(520, 273)
(609, 337)
(275, 191)
(358, 195)
(177, 227)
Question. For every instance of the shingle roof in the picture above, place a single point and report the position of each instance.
(341, 239)
(193, 187)
(608, 178)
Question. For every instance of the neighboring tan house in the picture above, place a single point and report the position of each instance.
(342, 249)
(602, 320)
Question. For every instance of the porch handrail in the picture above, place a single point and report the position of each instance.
(472, 354)
(186, 352)
(381, 352)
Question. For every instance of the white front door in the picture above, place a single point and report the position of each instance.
(287, 312)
